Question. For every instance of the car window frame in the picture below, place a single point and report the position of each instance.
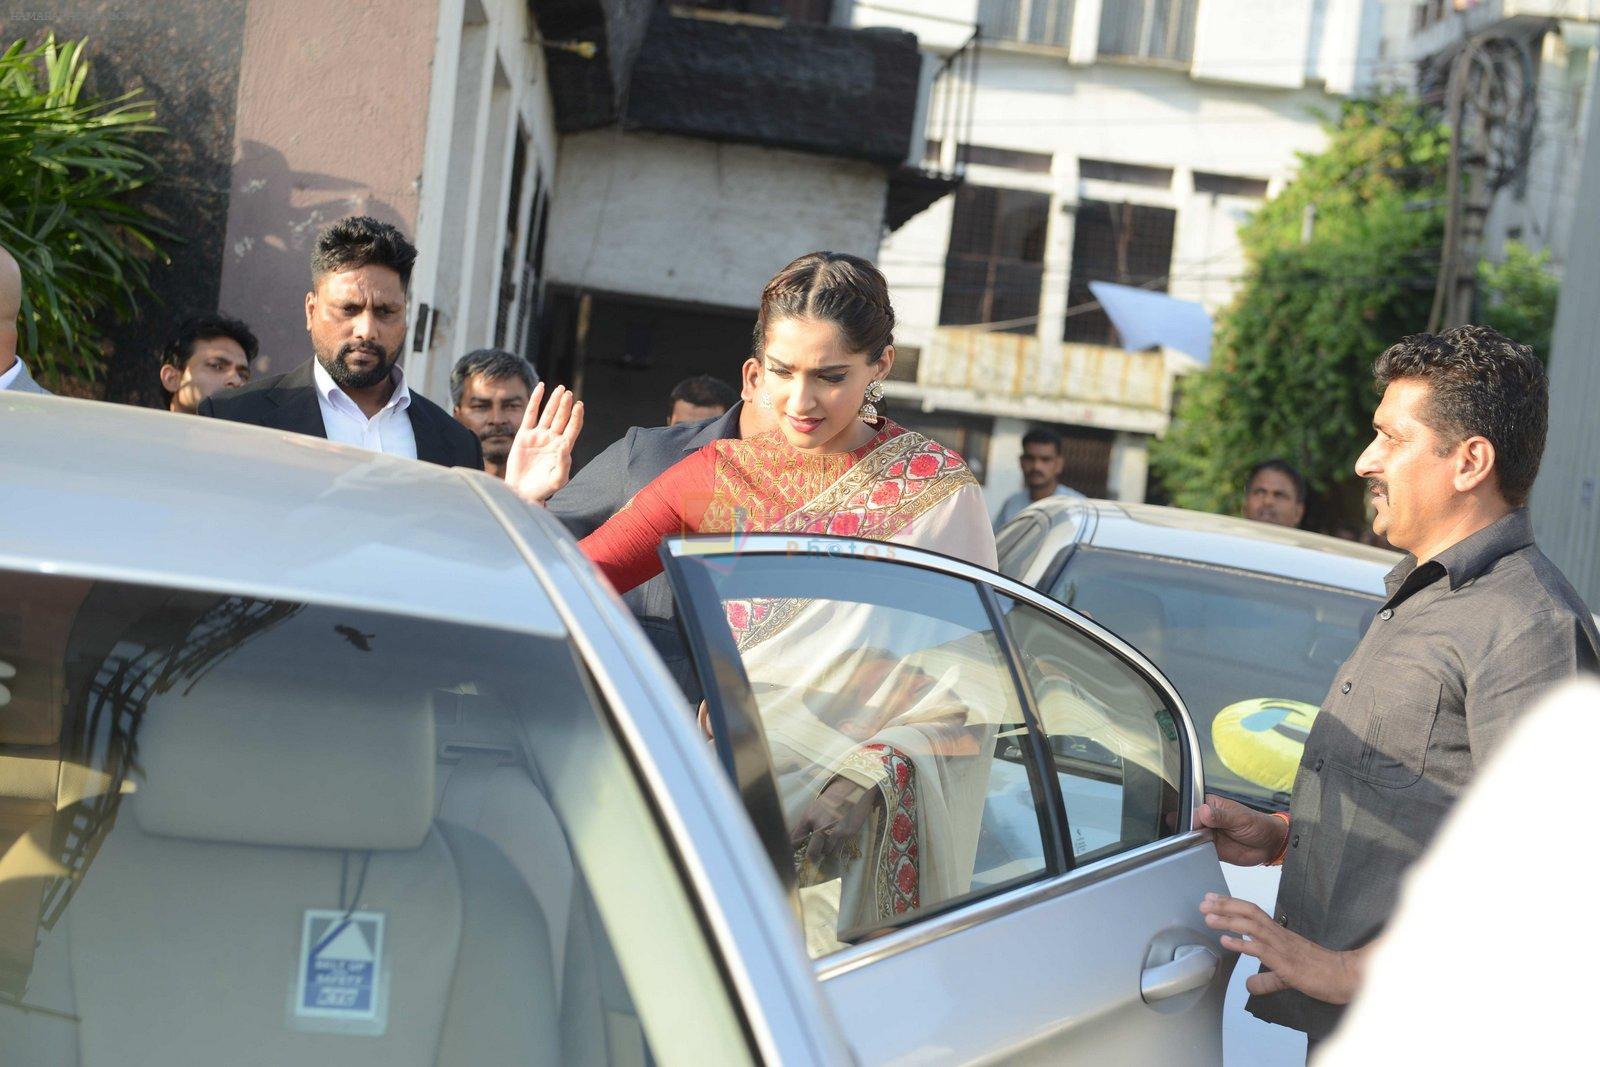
(747, 757)
(1170, 701)
(738, 736)
(937, 921)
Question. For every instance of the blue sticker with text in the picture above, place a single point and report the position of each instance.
(341, 965)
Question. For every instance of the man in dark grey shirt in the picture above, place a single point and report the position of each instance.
(612, 478)
(1478, 625)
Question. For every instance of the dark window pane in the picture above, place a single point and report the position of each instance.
(1229, 185)
(966, 291)
(996, 262)
(1022, 221)
(513, 231)
(972, 229)
(1036, 162)
(1033, 21)
(1129, 244)
(1016, 296)
(1126, 173)
(1161, 30)
(906, 358)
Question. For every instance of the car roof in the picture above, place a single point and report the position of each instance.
(113, 492)
(1223, 540)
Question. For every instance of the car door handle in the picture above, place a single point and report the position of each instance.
(1191, 967)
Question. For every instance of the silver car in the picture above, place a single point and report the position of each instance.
(1250, 622)
(312, 755)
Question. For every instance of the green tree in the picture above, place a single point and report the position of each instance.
(1291, 371)
(68, 164)
(1518, 296)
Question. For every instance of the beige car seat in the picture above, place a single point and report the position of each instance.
(486, 784)
(254, 804)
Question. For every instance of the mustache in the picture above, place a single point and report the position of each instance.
(1377, 485)
(497, 429)
(362, 346)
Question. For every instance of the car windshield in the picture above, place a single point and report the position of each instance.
(235, 829)
(1251, 655)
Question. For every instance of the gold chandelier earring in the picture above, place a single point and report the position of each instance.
(869, 406)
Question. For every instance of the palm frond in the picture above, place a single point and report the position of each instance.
(69, 165)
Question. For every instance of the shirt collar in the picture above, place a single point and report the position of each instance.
(1471, 556)
(399, 400)
(12, 375)
(721, 428)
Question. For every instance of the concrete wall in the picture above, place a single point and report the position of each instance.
(490, 86)
(690, 220)
(331, 117)
(1566, 498)
(1540, 210)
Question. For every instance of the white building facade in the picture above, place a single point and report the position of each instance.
(1540, 208)
(1551, 207)
(607, 185)
(1110, 140)
(487, 170)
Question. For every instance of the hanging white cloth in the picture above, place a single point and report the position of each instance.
(1146, 319)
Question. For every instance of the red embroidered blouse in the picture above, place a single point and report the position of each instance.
(764, 484)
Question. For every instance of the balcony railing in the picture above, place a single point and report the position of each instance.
(1008, 366)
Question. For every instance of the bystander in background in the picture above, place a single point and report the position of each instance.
(1043, 459)
(207, 354)
(699, 398)
(489, 391)
(1275, 492)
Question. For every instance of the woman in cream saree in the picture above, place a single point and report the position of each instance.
(881, 725)
(884, 746)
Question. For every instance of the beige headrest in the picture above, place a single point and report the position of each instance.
(267, 763)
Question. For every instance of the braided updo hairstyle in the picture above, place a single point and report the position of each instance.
(833, 287)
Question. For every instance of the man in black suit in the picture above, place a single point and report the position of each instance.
(354, 391)
(611, 479)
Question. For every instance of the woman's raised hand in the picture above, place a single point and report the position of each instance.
(541, 453)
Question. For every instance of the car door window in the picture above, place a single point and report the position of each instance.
(1114, 740)
(895, 733)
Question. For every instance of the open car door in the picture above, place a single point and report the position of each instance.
(979, 800)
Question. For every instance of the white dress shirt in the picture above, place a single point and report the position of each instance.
(389, 431)
(11, 375)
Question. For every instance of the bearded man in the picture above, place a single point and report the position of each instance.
(354, 391)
